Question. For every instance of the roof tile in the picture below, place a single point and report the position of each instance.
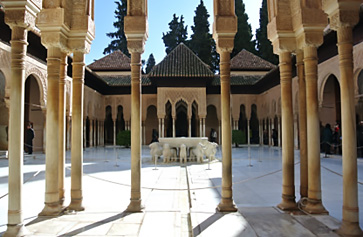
(114, 61)
(246, 60)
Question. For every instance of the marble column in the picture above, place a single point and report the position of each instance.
(16, 133)
(288, 186)
(77, 139)
(201, 127)
(302, 125)
(91, 133)
(62, 126)
(135, 200)
(226, 204)
(114, 131)
(248, 132)
(190, 127)
(350, 222)
(314, 205)
(174, 126)
(162, 127)
(52, 207)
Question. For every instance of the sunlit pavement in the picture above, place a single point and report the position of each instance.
(179, 200)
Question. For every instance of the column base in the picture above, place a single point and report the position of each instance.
(288, 203)
(51, 209)
(16, 230)
(135, 206)
(315, 207)
(349, 229)
(76, 205)
(227, 205)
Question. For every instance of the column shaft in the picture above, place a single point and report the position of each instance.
(16, 133)
(226, 204)
(114, 131)
(190, 127)
(77, 134)
(288, 187)
(248, 132)
(173, 126)
(203, 127)
(350, 223)
(62, 127)
(52, 206)
(313, 131)
(302, 125)
(135, 200)
(162, 127)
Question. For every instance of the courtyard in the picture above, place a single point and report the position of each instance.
(179, 200)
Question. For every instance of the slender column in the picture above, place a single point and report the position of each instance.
(302, 125)
(350, 222)
(269, 132)
(220, 132)
(52, 206)
(16, 134)
(203, 127)
(77, 125)
(62, 127)
(296, 132)
(288, 187)
(135, 200)
(226, 204)
(314, 204)
(162, 127)
(173, 126)
(248, 132)
(279, 131)
(68, 132)
(190, 127)
(260, 129)
(91, 133)
(114, 131)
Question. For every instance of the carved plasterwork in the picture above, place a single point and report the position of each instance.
(42, 82)
(188, 95)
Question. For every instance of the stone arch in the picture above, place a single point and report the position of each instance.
(254, 125)
(168, 122)
(242, 122)
(108, 125)
(151, 123)
(218, 110)
(120, 121)
(42, 83)
(181, 121)
(330, 105)
(4, 118)
(212, 120)
(194, 119)
(322, 86)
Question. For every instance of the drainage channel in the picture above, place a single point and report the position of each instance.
(186, 204)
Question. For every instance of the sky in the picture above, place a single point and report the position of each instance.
(160, 14)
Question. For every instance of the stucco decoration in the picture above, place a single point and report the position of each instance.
(188, 95)
(42, 82)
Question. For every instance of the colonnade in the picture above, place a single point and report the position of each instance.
(59, 42)
(290, 31)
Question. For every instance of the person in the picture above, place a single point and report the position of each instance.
(336, 138)
(274, 137)
(213, 135)
(155, 136)
(327, 139)
(29, 138)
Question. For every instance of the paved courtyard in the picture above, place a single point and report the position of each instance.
(179, 200)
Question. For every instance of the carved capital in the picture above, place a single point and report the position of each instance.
(224, 30)
(136, 31)
(344, 19)
(23, 14)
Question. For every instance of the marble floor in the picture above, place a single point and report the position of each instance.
(179, 200)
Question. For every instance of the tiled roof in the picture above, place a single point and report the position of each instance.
(114, 61)
(181, 62)
(246, 60)
(239, 80)
(124, 80)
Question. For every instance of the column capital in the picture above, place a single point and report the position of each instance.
(342, 13)
(136, 31)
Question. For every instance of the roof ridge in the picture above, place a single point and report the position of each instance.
(246, 60)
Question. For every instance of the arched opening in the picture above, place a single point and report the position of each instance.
(181, 122)
(242, 123)
(359, 107)
(330, 111)
(4, 118)
(33, 112)
(211, 121)
(265, 131)
(168, 122)
(151, 123)
(88, 125)
(108, 126)
(254, 126)
(194, 121)
(120, 122)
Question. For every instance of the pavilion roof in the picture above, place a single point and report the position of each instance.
(239, 80)
(123, 80)
(181, 62)
(116, 61)
(247, 61)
